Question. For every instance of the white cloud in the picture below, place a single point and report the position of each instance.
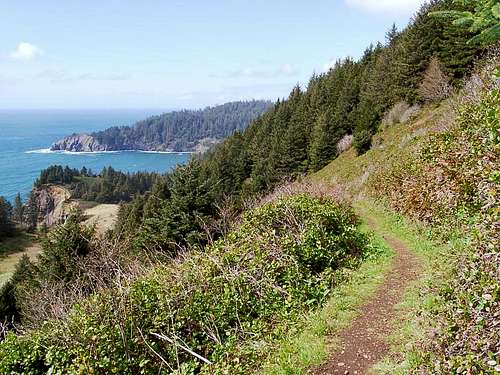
(26, 51)
(386, 5)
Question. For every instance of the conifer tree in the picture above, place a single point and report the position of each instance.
(18, 209)
(6, 226)
(322, 148)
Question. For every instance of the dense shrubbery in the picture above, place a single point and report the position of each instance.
(223, 303)
(232, 297)
(453, 185)
(469, 335)
(62, 250)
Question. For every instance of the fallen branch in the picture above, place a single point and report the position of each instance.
(201, 358)
(154, 351)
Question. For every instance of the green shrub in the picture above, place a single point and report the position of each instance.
(225, 303)
(362, 141)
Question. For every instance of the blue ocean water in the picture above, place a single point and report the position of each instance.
(26, 135)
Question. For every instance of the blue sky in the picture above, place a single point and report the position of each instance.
(177, 54)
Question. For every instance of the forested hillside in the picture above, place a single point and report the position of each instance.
(420, 64)
(208, 272)
(107, 186)
(186, 130)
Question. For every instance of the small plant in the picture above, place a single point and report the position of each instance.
(345, 143)
(400, 113)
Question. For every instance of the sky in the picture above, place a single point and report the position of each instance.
(177, 54)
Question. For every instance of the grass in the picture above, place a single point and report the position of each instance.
(415, 323)
(14, 244)
(311, 344)
(12, 249)
(303, 348)
(360, 177)
(103, 215)
(357, 174)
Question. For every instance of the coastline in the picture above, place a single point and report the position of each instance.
(64, 152)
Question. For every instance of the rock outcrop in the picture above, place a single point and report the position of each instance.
(79, 143)
(48, 205)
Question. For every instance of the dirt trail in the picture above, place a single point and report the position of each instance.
(364, 343)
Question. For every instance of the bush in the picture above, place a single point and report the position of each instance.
(435, 84)
(225, 303)
(400, 113)
(362, 141)
(453, 185)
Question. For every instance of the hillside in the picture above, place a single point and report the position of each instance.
(432, 183)
(186, 130)
(351, 228)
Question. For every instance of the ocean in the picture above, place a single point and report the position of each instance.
(26, 136)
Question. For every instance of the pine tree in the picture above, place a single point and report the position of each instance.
(18, 209)
(482, 18)
(6, 225)
(323, 149)
(391, 35)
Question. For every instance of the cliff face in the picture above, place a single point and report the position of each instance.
(48, 205)
(79, 143)
(89, 143)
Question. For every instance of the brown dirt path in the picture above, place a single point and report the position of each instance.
(364, 342)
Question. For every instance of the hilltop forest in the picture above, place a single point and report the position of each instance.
(187, 130)
(223, 265)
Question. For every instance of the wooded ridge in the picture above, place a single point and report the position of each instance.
(186, 130)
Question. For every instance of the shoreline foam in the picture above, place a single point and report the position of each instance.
(64, 152)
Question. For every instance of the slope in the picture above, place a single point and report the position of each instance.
(440, 172)
(187, 130)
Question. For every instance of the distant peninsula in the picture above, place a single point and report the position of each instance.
(178, 131)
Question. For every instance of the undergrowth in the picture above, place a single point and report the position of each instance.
(308, 342)
(441, 170)
(225, 305)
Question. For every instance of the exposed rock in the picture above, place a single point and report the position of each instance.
(79, 143)
(177, 131)
(48, 205)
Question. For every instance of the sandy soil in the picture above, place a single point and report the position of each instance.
(103, 215)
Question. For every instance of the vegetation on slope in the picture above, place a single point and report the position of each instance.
(174, 131)
(442, 170)
(224, 303)
(304, 132)
(6, 221)
(195, 204)
(108, 186)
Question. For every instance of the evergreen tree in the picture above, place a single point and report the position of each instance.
(18, 210)
(482, 18)
(322, 148)
(6, 225)
(62, 247)
(391, 35)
